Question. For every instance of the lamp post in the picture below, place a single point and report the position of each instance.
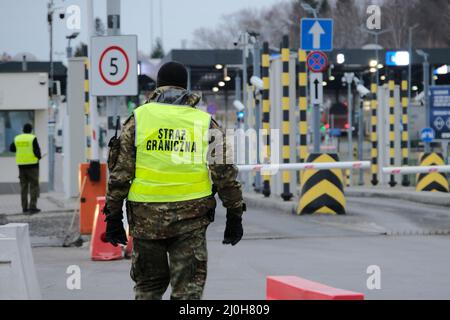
(69, 48)
(426, 81)
(376, 34)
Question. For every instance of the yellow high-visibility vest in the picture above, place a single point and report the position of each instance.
(171, 151)
(24, 149)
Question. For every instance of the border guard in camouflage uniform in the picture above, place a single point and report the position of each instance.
(170, 202)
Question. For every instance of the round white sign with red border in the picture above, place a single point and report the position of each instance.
(114, 65)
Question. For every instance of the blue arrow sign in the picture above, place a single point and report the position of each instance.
(316, 34)
(427, 134)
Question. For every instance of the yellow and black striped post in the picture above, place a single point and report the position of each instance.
(285, 106)
(405, 134)
(347, 177)
(434, 181)
(374, 133)
(302, 105)
(265, 64)
(322, 190)
(87, 124)
(391, 87)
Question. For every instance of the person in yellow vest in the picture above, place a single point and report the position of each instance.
(28, 154)
(161, 166)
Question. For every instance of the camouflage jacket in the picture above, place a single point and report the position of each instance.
(165, 220)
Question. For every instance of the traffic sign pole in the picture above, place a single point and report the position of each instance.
(112, 103)
(426, 80)
(316, 62)
(316, 91)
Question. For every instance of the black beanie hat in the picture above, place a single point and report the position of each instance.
(27, 128)
(172, 74)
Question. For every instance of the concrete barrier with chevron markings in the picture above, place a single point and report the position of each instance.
(433, 181)
(322, 190)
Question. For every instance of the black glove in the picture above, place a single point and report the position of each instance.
(233, 230)
(115, 232)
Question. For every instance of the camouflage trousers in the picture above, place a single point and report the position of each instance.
(29, 181)
(180, 261)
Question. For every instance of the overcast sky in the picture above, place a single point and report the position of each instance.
(23, 25)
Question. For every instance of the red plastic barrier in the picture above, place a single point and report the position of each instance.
(100, 249)
(296, 288)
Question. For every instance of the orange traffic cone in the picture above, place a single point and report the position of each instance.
(100, 249)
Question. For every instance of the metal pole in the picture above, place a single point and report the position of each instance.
(50, 21)
(151, 27)
(238, 95)
(316, 128)
(244, 78)
(93, 113)
(426, 81)
(410, 63)
(188, 68)
(360, 138)
(113, 17)
(257, 73)
(349, 78)
(69, 51)
(377, 56)
(51, 122)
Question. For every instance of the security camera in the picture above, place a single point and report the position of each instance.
(420, 98)
(363, 91)
(235, 43)
(257, 82)
(62, 15)
(238, 105)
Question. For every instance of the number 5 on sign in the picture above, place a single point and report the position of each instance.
(113, 70)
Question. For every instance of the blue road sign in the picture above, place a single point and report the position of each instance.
(316, 34)
(335, 132)
(440, 111)
(427, 134)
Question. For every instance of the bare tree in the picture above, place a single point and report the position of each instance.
(348, 19)
(284, 17)
(433, 18)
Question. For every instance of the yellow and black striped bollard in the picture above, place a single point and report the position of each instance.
(405, 134)
(87, 124)
(302, 104)
(391, 87)
(373, 133)
(285, 105)
(265, 64)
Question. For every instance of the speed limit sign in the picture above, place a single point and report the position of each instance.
(113, 70)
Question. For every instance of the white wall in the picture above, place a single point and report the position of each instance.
(25, 91)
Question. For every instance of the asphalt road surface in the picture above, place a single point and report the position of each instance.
(409, 243)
